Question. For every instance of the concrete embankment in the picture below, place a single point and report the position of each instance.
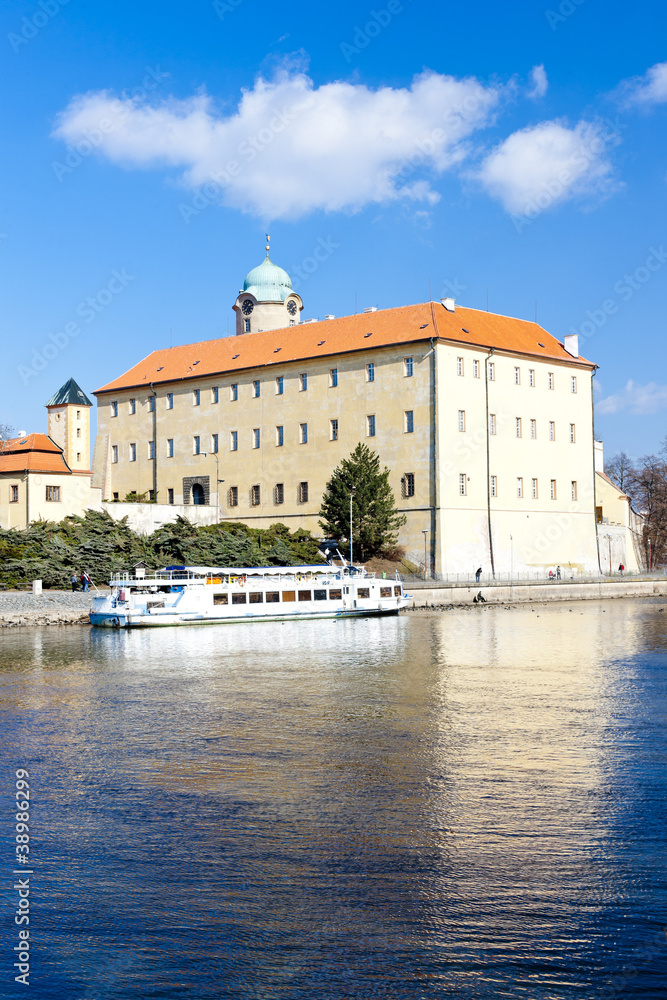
(438, 595)
(52, 607)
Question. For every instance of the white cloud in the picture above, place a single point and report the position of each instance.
(290, 147)
(540, 83)
(645, 91)
(538, 167)
(638, 399)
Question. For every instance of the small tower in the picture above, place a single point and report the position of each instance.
(267, 301)
(69, 424)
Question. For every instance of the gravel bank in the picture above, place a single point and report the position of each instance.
(52, 607)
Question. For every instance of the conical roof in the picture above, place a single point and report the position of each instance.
(268, 282)
(70, 392)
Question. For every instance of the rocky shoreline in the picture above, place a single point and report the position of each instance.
(51, 607)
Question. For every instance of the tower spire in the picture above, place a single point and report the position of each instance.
(267, 247)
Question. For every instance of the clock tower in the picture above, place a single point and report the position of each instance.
(267, 300)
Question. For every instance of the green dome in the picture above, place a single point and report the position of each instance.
(268, 283)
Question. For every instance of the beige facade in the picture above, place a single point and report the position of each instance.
(28, 496)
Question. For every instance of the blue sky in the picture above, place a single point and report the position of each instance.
(515, 148)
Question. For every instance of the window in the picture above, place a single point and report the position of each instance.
(553, 489)
(220, 599)
(333, 378)
(370, 372)
(233, 392)
(151, 449)
(531, 377)
(151, 496)
(533, 489)
(114, 409)
(492, 371)
(370, 425)
(170, 400)
(517, 423)
(170, 447)
(170, 496)
(533, 429)
(240, 598)
(151, 404)
(53, 494)
(233, 496)
(133, 452)
(492, 423)
(574, 490)
(196, 397)
(233, 440)
(196, 441)
(256, 388)
(333, 430)
(78, 414)
(303, 433)
(319, 595)
(246, 326)
(304, 595)
(494, 486)
(459, 366)
(517, 376)
(409, 421)
(114, 453)
(303, 381)
(215, 394)
(273, 596)
(552, 430)
(115, 497)
(408, 484)
(256, 598)
(13, 494)
(280, 436)
(573, 383)
(463, 484)
(475, 369)
(303, 492)
(289, 596)
(407, 367)
(279, 493)
(573, 436)
(78, 456)
(550, 380)
(519, 487)
(255, 437)
(280, 383)
(462, 420)
(254, 495)
(133, 406)
(214, 443)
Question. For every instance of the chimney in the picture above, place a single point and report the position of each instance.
(571, 344)
(371, 309)
(598, 452)
(449, 304)
(329, 316)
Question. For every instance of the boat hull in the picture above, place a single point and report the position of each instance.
(124, 620)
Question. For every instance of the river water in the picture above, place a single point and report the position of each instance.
(469, 804)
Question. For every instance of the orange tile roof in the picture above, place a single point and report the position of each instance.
(34, 452)
(387, 327)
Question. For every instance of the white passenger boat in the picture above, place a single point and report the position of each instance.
(199, 595)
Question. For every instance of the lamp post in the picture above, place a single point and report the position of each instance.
(351, 496)
(511, 561)
(425, 534)
(214, 455)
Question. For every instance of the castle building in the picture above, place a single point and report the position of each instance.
(484, 421)
(47, 476)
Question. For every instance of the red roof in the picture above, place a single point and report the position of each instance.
(387, 327)
(34, 452)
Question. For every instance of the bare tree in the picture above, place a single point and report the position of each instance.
(619, 468)
(646, 486)
(6, 432)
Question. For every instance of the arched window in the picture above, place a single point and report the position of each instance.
(198, 494)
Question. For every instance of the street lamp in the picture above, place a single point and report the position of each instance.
(425, 534)
(351, 495)
(511, 560)
(214, 455)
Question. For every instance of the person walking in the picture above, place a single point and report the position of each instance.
(558, 572)
(85, 580)
(478, 575)
(621, 568)
(73, 581)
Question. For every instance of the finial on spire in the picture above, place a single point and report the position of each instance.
(268, 241)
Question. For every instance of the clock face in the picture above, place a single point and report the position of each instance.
(247, 307)
(291, 307)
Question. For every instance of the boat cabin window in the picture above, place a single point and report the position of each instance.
(220, 599)
(319, 595)
(288, 596)
(239, 598)
(397, 591)
(272, 596)
(304, 595)
(335, 595)
(256, 598)
(363, 592)
(385, 591)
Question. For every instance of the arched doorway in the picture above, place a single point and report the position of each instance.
(198, 494)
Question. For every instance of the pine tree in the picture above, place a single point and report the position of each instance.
(375, 520)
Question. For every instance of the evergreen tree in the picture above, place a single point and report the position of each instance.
(375, 520)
